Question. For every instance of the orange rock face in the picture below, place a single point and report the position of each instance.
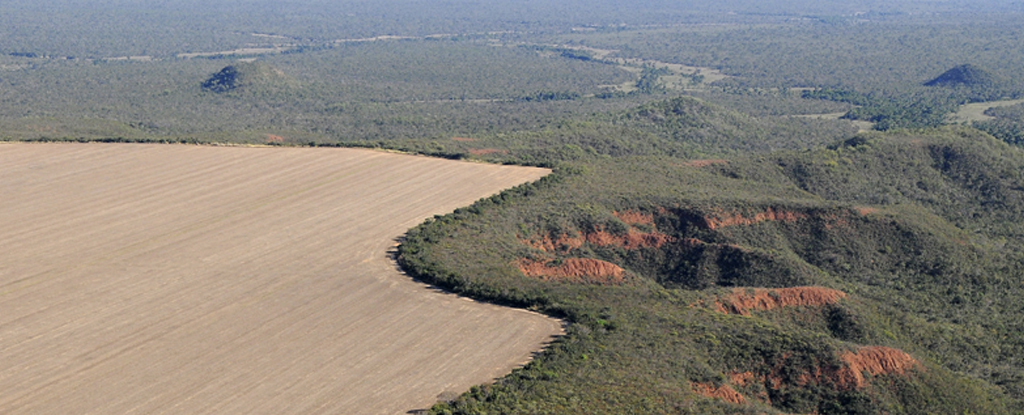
(635, 218)
(853, 373)
(875, 361)
(744, 300)
(576, 270)
(586, 270)
(631, 240)
(724, 392)
(741, 378)
(559, 244)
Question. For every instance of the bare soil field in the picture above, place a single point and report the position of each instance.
(173, 279)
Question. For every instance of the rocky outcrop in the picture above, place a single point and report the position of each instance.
(743, 301)
(723, 392)
(874, 361)
(574, 270)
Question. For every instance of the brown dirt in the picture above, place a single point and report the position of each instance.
(742, 378)
(274, 138)
(704, 163)
(769, 215)
(744, 300)
(485, 151)
(631, 240)
(463, 139)
(635, 218)
(560, 244)
(200, 280)
(574, 270)
(724, 392)
(875, 361)
(864, 210)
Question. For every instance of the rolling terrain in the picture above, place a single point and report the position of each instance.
(876, 275)
(196, 279)
(754, 207)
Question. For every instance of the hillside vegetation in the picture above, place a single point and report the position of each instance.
(718, 234)
(1007, 124)
(876, 275)
(678, 127)
(256, 77)
(966, 75)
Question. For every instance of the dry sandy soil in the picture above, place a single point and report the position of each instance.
(156, 279)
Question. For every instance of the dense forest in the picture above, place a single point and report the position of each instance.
(756, 206)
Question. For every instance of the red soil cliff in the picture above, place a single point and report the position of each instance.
(634, 218)
(724, 392)
(577, 270)
(744, 300)
(633, 239)
(875, 361)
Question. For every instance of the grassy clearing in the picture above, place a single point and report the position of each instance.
(976, 111)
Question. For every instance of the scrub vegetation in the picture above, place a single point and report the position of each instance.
(719, 234)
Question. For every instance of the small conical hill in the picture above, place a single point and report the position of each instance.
(965, 75)
(248, 76)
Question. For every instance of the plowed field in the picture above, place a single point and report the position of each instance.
(178, 279)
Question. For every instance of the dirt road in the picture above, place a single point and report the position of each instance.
(172, 279)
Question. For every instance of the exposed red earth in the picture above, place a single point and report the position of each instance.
(855, 372)
(634, 218)
(562, 243)
(875, 361)
(575, 270)
(586, 270)
(632, 239)
(744, 300)
(724, 392)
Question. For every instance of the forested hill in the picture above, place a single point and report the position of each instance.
(678, 127)
(877, 275)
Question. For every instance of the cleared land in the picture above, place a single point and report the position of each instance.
(158, 279)
(976, 111)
